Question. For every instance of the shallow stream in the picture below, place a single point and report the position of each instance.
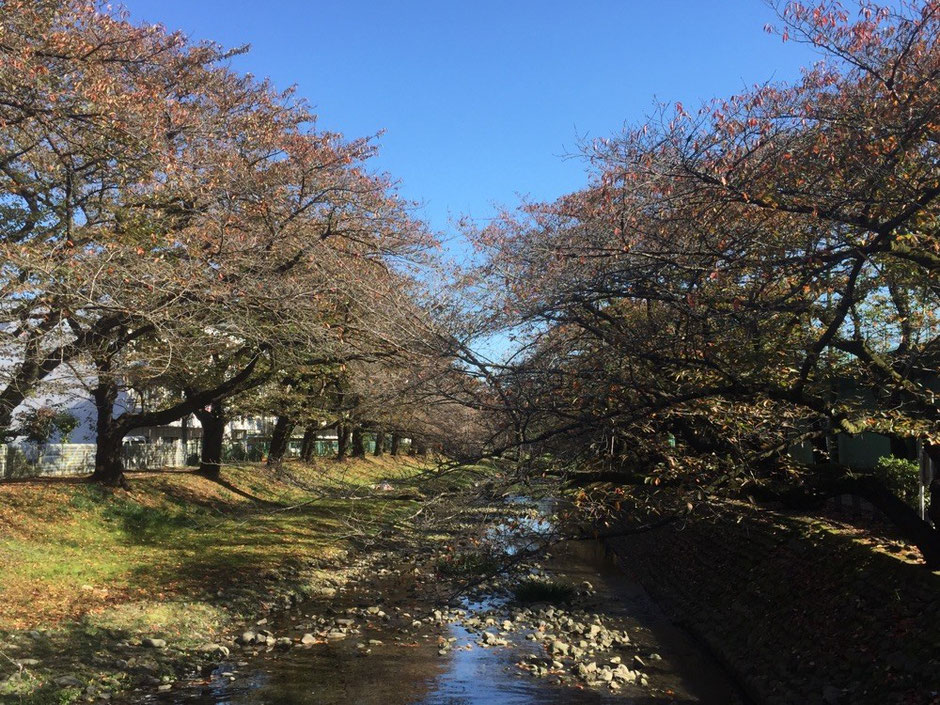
(444, 663)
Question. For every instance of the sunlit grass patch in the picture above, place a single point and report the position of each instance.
(185, 623)
(72, 549)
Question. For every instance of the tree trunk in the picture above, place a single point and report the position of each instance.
(419, 447)
(358, 443)
(396, 444)
(213, 431)
(379, 443)
(109, 466)
(342, 441)
(280, 439)
(308, 444)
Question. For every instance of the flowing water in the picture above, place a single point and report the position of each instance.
(412, 671)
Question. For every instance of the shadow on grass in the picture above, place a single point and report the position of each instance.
(242, 493)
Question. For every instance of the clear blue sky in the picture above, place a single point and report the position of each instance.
(480, 99)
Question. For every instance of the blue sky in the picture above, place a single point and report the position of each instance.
(482, 99)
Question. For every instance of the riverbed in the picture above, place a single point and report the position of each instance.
(386, 645)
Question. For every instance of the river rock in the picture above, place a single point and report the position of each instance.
(67, 682)
(586, 670)
(212, 648)
(308, 639)
(622, 673)
(152, 643)
(247, 637)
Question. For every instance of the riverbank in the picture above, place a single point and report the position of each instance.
(488, 619)
(104, 590)
(805, 610)
(204, 592)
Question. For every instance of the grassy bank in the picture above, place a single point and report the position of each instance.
(176, 557)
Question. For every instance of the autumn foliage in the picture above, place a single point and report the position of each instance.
(741, 277)
(177, 230)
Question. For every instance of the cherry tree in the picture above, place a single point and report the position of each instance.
(744, 276)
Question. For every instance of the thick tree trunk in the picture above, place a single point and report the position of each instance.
(358, 443)
(280, 439)
(379, 443)
(342, 441)
(109, 466)
(213, 431)
(396, 444)
(308, 444)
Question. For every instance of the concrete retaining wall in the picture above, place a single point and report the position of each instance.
(19, 460)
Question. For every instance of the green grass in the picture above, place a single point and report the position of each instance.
(468, 564)
(26, 689)
(71, 549)
(543, 590)
(91, 566)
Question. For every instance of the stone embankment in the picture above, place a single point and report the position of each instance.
(808, 611)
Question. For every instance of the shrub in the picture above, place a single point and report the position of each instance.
(900, 476)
